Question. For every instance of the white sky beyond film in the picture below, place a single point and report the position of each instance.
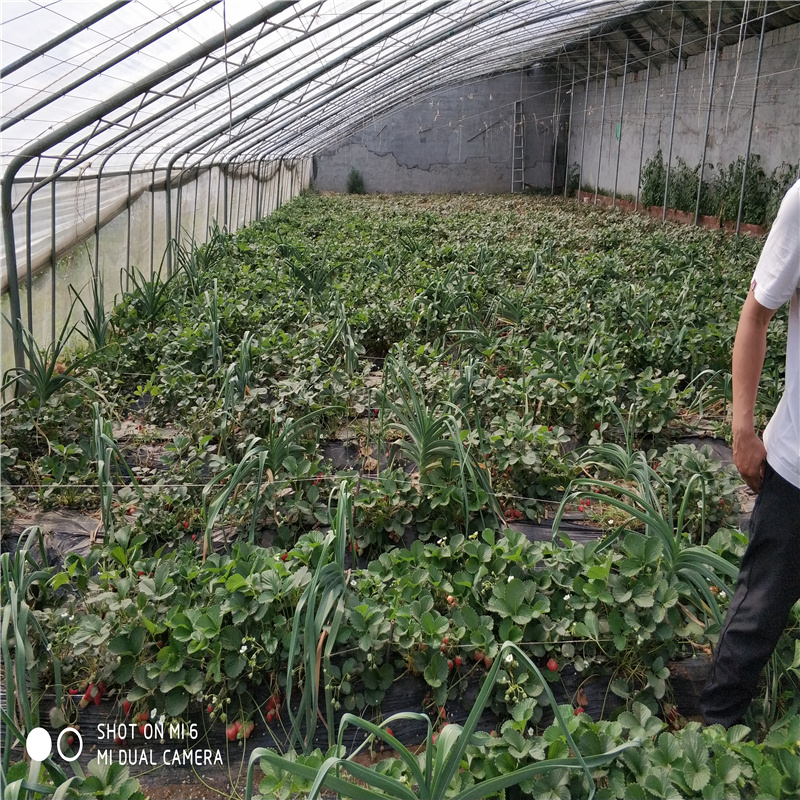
(304, 76)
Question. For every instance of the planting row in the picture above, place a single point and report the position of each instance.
(306, 446)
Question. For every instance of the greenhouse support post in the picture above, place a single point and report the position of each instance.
(278, 192)
(13, 286)
(208, 196)
(239, 186)
(260, 172)
(262, 194)
(270, 198)
(216, 199)
(259, 187)
(230, 194)
(178, 215)
(752, 120)
(244, 189)
(179, 208)
(602, 126)
(152, 219)
(241, 205)
(254, 200)
(28, 274)
(708, 116)
(255, 203)
(583, 132)
(255, 190)
(194, 204)
(224, 166)
(241, 208)
(569, 131)
(556, 120)
(53, 258)
(53, 261)
(128, 239)
(621, 119)
(644, 120)
(266, 191)
(96, 265)
(251, 193)
(674, 113)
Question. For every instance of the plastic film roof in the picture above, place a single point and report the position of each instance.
(135, 84)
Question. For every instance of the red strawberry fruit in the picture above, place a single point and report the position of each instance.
(552, 665)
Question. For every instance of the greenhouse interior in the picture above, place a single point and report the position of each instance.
(367, 396)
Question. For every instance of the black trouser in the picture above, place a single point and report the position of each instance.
(768, 587)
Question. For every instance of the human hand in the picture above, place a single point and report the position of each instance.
(750, 456)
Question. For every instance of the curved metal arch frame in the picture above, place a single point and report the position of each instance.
(85, 119)
(259, 139)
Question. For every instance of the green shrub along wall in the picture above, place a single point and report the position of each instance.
(721, 189)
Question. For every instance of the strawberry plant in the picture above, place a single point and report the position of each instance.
(465, 361)
(442, 762)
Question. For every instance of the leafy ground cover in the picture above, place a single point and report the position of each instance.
(306, 446)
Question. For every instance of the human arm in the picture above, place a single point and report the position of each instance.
(749, 349)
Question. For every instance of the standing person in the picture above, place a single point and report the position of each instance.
(769, 576)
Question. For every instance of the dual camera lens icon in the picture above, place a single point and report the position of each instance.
(39, 744)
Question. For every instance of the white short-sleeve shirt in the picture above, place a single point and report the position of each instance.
(775, 282)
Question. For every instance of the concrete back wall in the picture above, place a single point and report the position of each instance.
(776, 132)
(458, 140)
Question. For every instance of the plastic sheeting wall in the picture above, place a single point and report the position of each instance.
(133, 231)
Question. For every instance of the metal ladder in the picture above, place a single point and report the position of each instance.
(517, 150)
